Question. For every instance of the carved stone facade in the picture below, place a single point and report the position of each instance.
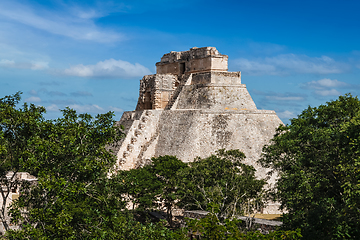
(196, 60)
(192, 107)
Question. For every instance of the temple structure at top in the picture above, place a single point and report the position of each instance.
(197, 69)
(193, 61)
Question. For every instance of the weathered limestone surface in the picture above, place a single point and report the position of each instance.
(196, 60)
(193, 107)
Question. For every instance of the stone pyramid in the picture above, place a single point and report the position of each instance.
(192, 107)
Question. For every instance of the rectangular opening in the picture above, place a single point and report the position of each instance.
(182, 68)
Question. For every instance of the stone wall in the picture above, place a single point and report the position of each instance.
(195, 113)
(156, 91)
(195, 60)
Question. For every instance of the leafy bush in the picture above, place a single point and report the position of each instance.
(317, 158)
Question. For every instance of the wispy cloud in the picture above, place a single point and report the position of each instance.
(56, 93)
(110, 68)
(51, 93)
(86, 108)
(286, 114)
(324, 83)
(33, 99)
(63, 102)
(52, 108)
(5, 63)
(80, 94)
(331, 92)
(115, 109)
(285, 64)
(285, 98)
(90, 108)
(282, 97)
(33, 92)
(325, 87)
(87, 13)
(93, 108)
(272, 100)
(80, 27)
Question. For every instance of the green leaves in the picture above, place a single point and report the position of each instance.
(316, 157)
(73, 197)
(223, 182)
(210, 228)
(19, 130)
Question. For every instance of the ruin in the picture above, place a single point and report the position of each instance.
(192, 107)
(10, 190)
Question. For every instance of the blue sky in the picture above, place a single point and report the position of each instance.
(90, 55)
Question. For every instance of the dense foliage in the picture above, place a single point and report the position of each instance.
(78, 195)
(155, 186)
(165, 168)
(317, 158)
(210, 228)
(19, 130)
(68, 157)
(223, 184)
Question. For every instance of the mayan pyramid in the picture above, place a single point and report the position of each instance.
(191, 107)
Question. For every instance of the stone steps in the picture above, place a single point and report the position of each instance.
(131, 147)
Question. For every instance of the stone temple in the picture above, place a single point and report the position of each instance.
(192, 107)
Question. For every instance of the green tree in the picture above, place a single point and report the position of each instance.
(166, 169)
(154, 186)
(19, 129)
(73, 196)
(222, 184)
(140, 188)
(76, 195)
(210, 228)
(317, 158)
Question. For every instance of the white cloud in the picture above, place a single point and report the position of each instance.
(39, 65)
(326, 87)
(115, 109)
(281, 97)
(87, 108)
(254, 67)
(331, 92)
(324, 83)
(13, 57)
(88, 14)
(286, 114)
(33, 99)
(284, 98)
(33, 92)
(52, 108)
(5, 63)
(284, 64)
(109, 68)
(62, 23)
